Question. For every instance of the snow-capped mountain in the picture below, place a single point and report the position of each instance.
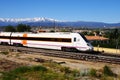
(52, 22)
(29, 21)
(26, 19)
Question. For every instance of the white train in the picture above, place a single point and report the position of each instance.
(59, 40)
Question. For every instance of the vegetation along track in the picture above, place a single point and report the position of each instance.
(71, 55)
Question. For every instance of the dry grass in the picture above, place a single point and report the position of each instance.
(107, 50)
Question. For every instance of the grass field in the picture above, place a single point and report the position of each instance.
(107, 50)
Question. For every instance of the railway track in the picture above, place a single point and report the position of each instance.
(114, 59)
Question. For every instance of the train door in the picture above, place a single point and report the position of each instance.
(76, 42)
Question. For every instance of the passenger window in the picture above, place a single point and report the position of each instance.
(74, 39)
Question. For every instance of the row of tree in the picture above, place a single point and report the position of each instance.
(18, 28)
(114, 37)
(112, 34)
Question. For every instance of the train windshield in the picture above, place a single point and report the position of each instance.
(83, 37)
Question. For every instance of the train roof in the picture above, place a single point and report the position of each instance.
(41, 32)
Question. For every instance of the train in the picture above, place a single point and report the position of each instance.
(65, 41)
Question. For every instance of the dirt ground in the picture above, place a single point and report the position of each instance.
(6, 65)
(15, 59)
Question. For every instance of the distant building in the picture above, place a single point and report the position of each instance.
(41, 30)
(97, 39)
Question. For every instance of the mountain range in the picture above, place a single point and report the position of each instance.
(52, 22)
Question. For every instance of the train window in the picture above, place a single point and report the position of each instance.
(74, 39)
(52, 39)
(83, 37)
(38, 38)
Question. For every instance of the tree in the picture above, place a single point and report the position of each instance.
(10, 28)
(114, 37)
(23, 28)
(84, 32)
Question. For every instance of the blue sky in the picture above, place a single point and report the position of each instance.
(68, 10)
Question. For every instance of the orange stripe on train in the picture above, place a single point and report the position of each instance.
(24, 42)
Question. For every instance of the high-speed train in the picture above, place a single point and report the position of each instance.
(58, 41)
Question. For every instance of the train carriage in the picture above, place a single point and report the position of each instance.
(59, 40)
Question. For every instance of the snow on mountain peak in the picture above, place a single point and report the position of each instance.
(26, 19)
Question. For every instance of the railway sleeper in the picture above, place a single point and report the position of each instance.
(116, 62)
(78, 57)
(109, 62)
(93, 60)
(81, 57)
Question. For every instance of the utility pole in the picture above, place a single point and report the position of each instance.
(54, 26)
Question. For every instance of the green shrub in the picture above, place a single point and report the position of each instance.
(65, 70)
(9, 76)
(107, 71)
(51, 76)
(16, 74)
(75, 73)
(22, 69)
(93, 73)
(39, 68)
(107, 78)
(38, 73)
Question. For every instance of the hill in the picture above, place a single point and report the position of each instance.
(52, 22)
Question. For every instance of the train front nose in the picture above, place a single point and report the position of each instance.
(90, 47)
